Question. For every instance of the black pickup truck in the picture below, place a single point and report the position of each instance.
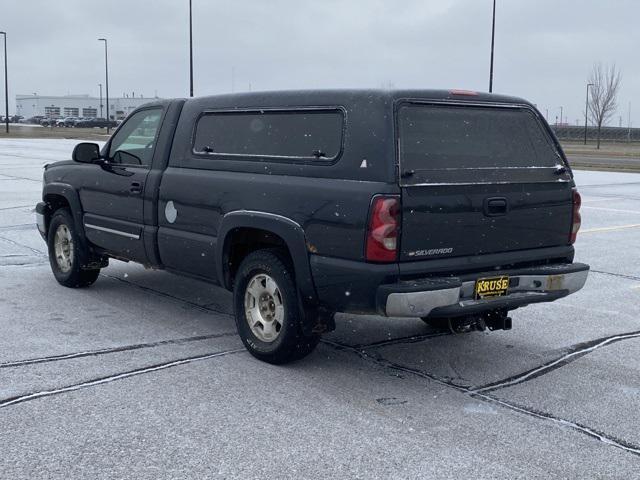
(452, 206)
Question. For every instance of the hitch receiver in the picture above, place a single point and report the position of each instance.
(497, 320)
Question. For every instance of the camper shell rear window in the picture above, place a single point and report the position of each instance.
(444, 143)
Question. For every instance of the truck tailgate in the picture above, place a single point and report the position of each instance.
(439, 221)
(478, 179)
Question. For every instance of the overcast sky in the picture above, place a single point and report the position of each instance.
(544, 48)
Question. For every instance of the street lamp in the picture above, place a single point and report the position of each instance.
(106, 79)
(586, 112)
(100, 85)
(6, 84)
(561, 114)
(190, 51)
(493, 38)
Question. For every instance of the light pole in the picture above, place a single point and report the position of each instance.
(561, 114)
(190, 51)
(586, 112)
(100, 85)
(493, 38)
(629, 125)
(6, 84)
(106, 79)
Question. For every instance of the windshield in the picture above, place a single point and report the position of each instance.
(448, 137)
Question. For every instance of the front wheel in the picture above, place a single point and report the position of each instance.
(65, 252)
(267, 311)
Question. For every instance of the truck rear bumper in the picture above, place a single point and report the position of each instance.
(453, 296)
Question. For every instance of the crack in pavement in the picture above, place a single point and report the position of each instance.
(168, 295)
(112, 378)
(17, 207)
(576, 351)
(39, 253)
(14, 177)
(590, 432)
(21, 226)
(578, 427)
(23, 264)
(103, 351)
(141, 287)
(408, 339)
(360, 350)
(619, 275)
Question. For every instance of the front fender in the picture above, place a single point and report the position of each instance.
(73, 199)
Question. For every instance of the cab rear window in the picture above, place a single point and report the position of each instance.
(313, 135)
(471, 143)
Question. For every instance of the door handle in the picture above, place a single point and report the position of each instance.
(136, 187)
(496, 206)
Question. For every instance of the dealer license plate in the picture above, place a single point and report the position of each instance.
(491, 287)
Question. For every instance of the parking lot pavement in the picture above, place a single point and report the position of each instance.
(142, 375)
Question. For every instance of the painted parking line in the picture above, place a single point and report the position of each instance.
(611, 209)
(610, 229)
(596, 200)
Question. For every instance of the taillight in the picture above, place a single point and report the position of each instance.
(382, 233)
(576, 219)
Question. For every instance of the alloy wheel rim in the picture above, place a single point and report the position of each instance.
(63, 248)
(264, 308)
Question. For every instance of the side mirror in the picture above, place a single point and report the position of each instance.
(86, 152)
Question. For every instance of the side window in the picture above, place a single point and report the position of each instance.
(135, 141)
(314, 135)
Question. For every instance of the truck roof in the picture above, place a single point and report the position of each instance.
(345, 97)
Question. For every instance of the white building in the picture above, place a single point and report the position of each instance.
(77, 106)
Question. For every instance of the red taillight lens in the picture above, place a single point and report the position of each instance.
(576, 218)
(382, 233)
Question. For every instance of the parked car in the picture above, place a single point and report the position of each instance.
(49, 122)
(12, 119)
(455, 207)
(95, 123)
(36, 120)
(68, 122)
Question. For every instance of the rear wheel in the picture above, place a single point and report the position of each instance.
(66, 250)
(267, 311)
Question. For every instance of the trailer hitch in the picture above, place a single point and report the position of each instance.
(493, 320)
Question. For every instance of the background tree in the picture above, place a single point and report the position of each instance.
(604, 92)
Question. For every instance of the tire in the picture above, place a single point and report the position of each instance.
(66, 251)
(267, 309)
